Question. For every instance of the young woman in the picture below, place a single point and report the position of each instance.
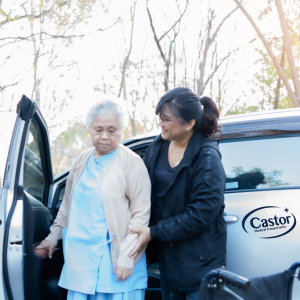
(188, 182)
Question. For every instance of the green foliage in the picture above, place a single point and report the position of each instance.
(266, 81)
(241, 108)
(271, 94)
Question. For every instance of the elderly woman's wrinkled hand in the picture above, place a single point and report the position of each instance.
(46, 245)
(123, 273)
(144, 239)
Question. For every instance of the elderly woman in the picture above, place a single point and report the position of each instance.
(107, 194)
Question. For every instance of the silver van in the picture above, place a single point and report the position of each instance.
(261, 156)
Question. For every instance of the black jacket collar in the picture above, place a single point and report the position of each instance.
(194, 146)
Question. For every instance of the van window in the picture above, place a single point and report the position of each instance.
(263, 163)
(34, 181)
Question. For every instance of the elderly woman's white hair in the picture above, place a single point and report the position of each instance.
(103, 107)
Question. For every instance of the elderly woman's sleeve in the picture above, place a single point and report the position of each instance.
(139, 193)
(60, 221)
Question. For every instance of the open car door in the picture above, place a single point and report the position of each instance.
(25, 212)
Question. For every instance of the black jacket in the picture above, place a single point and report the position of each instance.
(193, 234)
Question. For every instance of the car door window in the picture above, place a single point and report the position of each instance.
(263, 163)
(33, 177)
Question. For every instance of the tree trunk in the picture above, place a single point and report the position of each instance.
(288, 49)
(277, 90)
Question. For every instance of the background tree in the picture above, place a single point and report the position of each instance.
(208, 41)
(167, 51)
(75, 137)
(130, 104)
(48, 28)
(293, 85)
(67, 55)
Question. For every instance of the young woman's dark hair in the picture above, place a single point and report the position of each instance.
(187, 106)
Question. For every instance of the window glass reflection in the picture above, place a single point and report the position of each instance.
(261, 163)
(33, 173)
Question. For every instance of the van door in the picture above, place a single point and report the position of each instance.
(262, 203)
(25, 197)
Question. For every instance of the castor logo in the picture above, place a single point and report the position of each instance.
(269, 222)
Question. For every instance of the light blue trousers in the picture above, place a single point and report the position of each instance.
(132, 295)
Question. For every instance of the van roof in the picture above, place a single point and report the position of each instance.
(261, 124)
(274, 114)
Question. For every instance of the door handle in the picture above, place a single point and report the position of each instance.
(230, 219)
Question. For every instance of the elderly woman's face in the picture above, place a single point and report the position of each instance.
(105, 133)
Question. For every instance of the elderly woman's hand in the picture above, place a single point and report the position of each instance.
(144, 239)
(47, 247)
(123, 273)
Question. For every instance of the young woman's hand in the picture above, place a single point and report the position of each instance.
(144, 239)
(123, 273)
(44, 249)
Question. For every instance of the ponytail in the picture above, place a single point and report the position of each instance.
(210, 115)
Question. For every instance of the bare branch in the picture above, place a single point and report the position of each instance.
(176, 22)
(167, 58)
(15, 39)
(62, 36)
(3, 87)
(126, 60)
(110, 26)
(185, 65)
(154, 33)
(26, 16)
(218, 65)
(207, 44)
(221, 24)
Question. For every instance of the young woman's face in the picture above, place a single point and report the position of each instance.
(105, 133)
(171, 126)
